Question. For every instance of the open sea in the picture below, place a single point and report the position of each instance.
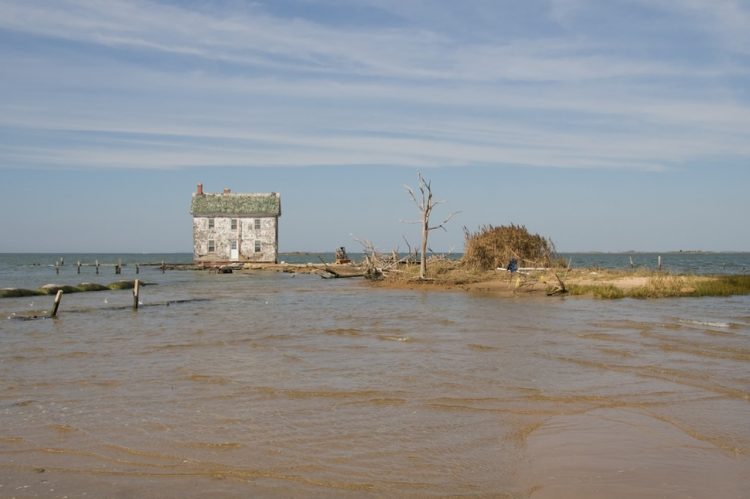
(265, 384)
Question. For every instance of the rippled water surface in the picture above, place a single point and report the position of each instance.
(278, 385)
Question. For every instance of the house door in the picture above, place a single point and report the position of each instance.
(234, 252)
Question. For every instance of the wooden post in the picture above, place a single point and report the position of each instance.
(136, 293)
(58, 298)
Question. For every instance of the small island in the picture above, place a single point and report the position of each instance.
(597, 283)
(510, 261)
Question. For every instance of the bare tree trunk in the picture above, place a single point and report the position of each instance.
(423, 255)
(425, 205)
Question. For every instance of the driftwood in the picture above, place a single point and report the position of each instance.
(136, 294)
(58, 298)
(559, 290)
(341, 256)
(338, 274)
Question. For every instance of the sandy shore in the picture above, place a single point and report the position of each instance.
(580, 282)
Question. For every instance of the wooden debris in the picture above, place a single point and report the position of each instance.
(559, 290)
(58, 299)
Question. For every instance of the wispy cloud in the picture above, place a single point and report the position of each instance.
(727, 22)
(151, 85)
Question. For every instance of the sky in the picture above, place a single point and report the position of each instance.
(605, 125)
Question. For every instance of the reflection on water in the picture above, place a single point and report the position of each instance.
(268, 385)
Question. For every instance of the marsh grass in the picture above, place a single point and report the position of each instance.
(607, 284)
(51, 289)
(724, 286)
(90, 286)
(669, 286)
(18, 293)
(123, 285)
(604, 291)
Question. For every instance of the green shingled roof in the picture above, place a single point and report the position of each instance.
(239, 205)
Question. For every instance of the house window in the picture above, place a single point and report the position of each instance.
(210, 223)
(234, 224)
(211, 246)
(234, 244)
(257, 246)
(257, 224)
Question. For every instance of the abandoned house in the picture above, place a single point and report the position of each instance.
(229, 227)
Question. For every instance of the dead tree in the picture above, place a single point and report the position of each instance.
(372, 263)
(426, 204)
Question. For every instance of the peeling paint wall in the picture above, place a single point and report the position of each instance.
(248, 239)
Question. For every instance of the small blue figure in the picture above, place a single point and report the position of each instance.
(512, 265)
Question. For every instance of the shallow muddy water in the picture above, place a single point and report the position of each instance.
(276, 385)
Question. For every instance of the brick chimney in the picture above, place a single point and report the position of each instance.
(227, 191)
(199, 191)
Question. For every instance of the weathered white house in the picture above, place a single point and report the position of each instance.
(230, 227)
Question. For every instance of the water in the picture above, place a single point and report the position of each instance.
(280, 385)
(677, 262)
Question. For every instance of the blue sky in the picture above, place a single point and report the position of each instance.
(605, 125)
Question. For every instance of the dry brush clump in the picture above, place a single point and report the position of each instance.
(491, 247)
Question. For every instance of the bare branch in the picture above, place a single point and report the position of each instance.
(451, 215)
(367, 245)
(410, 221)
(441, 225)
(413, 196)
(408, 246)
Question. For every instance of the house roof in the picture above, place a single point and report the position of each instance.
(237, 205)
